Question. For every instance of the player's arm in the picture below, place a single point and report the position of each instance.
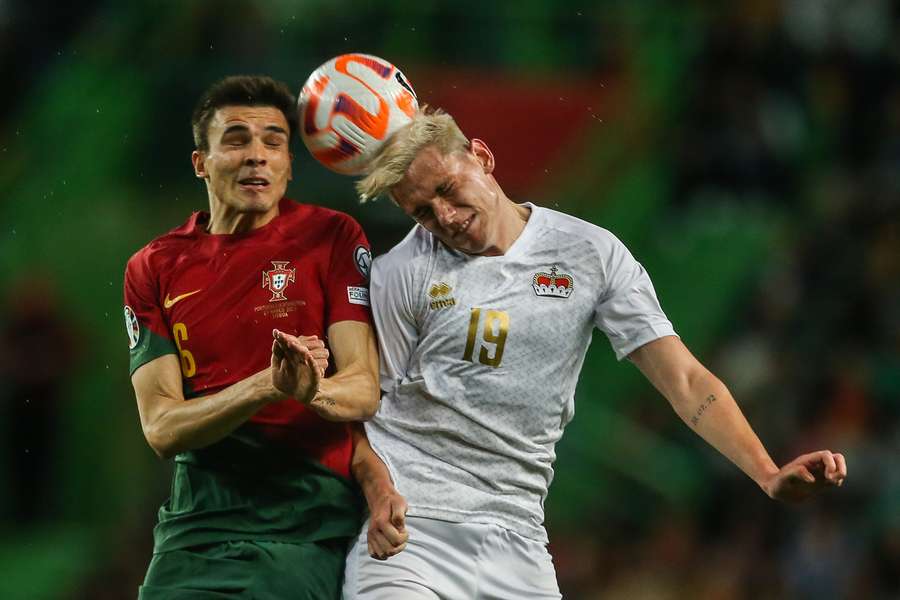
(705, 405)
(387, 533)
(352, 393)
(172, 425)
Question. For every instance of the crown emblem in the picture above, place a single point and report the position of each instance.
(557, 285)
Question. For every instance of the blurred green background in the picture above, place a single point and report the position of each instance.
(746, 152)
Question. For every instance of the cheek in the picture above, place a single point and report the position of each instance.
(281, 165)
(486, 193)
(222, 163)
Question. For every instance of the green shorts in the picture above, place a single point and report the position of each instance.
(258, 570)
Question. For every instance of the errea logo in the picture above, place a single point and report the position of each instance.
(439, 293)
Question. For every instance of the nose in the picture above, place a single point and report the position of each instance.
(256, 155)
(444, 212)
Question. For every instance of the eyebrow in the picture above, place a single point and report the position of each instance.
(236, 127)
(242, 127)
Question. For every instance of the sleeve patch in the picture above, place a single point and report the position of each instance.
(358, 295)
(363, 259)
(132, 328)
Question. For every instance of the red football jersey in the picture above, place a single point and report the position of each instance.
(214, 300)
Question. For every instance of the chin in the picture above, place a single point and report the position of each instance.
(469, 249)
(258, 204)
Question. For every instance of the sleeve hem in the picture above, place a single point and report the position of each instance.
(137, 363)
(647, 334)
(151, 347)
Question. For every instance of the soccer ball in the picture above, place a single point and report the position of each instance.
(348, 108)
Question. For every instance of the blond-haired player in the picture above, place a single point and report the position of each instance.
(484, 314)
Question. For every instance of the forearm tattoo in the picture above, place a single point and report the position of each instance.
(322, 401)
(703, 406)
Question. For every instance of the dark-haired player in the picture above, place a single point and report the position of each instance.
(262, 502)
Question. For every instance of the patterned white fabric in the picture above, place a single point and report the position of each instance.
(480, 356)
(452, 561)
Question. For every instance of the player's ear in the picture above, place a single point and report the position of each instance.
(483, 154)
(199, 161)
(290, 166)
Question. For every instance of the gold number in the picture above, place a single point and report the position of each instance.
(501, 320)
(496, 327)
(473, 331)
(188, 364)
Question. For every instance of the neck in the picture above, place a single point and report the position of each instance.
(224, 219)
(511, 224)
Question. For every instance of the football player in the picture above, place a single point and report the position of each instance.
(234, 319)
(484, 314)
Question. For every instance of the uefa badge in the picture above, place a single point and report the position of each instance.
(132, 328)
(277, 279)
(363, 259)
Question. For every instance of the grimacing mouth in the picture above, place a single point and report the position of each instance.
(254, 181)
(463, 227)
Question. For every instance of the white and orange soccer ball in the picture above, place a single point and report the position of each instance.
(348, 108)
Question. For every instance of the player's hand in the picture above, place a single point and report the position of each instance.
(387, 534)
(298, 365)
(807, 475)
(316, 347)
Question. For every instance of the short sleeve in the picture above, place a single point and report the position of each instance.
(347, 285)
(395, 322)
(628, 311)
(148, 332)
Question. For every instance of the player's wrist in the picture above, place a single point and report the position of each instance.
(375, 490)
(322, 391)
(275, 395)
(268, 392)
(307, 393)
(766, 477)
(375, 482)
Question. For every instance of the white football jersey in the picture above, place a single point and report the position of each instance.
(480, 356)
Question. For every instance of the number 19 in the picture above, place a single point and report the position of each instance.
(496, 326)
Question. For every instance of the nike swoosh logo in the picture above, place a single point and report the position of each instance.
(169, 302)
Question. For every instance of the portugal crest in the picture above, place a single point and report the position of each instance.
(276, 279)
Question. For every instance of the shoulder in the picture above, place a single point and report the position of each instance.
(164, 249)
(590, 248)
(410, 253)
(318, 216)
(578, 229)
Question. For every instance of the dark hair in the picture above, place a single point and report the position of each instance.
(242, 90)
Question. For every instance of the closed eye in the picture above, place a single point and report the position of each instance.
(234, 141)
(236, 135)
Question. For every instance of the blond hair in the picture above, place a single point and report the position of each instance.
(428, 127)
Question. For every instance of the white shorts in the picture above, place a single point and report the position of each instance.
(449, 561)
